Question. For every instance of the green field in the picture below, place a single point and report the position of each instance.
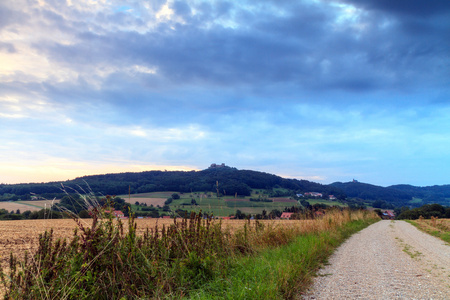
(223, 206)
(148, 195)
(329, 203)
(415, 201)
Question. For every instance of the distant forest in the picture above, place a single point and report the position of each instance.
(228, 181)
(222, 180)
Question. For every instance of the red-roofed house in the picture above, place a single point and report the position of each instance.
(286, 215)
(388, 214)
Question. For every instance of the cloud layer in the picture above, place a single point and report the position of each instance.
(323, 90)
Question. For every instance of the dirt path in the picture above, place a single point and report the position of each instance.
(387, 260)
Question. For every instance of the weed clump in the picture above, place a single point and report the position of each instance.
(104, 261)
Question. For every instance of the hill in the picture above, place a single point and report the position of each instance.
(222, 179)
(385, 197)
(396, 195)
(228, 181)
(428, 194)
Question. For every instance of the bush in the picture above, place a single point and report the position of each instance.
(426, 211)
(103, 262)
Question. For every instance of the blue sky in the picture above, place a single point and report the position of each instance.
(319, 90)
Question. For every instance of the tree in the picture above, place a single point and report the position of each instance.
(26, 214)
(74, 203)
(84, 214)
(240, 215)
(275, 213)
(126, 209)
(305, 203)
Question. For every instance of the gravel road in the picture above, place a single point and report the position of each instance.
(387, 260)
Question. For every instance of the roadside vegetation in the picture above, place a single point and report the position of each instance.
(426, 211)
(439, 228)
(195, 257)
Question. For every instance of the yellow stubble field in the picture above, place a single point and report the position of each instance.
(34, 205)
(22, 235)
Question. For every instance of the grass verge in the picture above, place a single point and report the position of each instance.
(282, 272)
(439, 228)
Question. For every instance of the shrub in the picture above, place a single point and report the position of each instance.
(104, 262)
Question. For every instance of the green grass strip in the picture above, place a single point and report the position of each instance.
(278, 273)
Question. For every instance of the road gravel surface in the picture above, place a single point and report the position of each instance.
(387, 260)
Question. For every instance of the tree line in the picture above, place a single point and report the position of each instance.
(425, 211)
(228, 181)
(225, 181)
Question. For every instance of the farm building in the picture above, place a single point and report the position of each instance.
(286, 215)
(313, 194)
(388, 214)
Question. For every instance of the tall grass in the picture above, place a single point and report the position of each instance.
(439, 228)
(285, 271)
(107, 260)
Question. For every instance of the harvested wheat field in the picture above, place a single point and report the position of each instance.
(14, 206)
(22, 235)
(32, 205)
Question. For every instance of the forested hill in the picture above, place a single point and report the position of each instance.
(225, 180)
(397, 195)
(373, 192)
(229, 181)
(429, 194)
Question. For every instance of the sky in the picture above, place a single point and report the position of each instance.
(322, 90)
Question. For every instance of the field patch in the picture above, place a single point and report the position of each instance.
(27, 205)
(148, 201)
(237, 199)
(283, 200)
(149, 195)
(326, 202)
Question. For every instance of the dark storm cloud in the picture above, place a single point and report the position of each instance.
(254, 58)
(416, 8)
(302, 47)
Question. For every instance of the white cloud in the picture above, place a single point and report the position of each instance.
(180, 134)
